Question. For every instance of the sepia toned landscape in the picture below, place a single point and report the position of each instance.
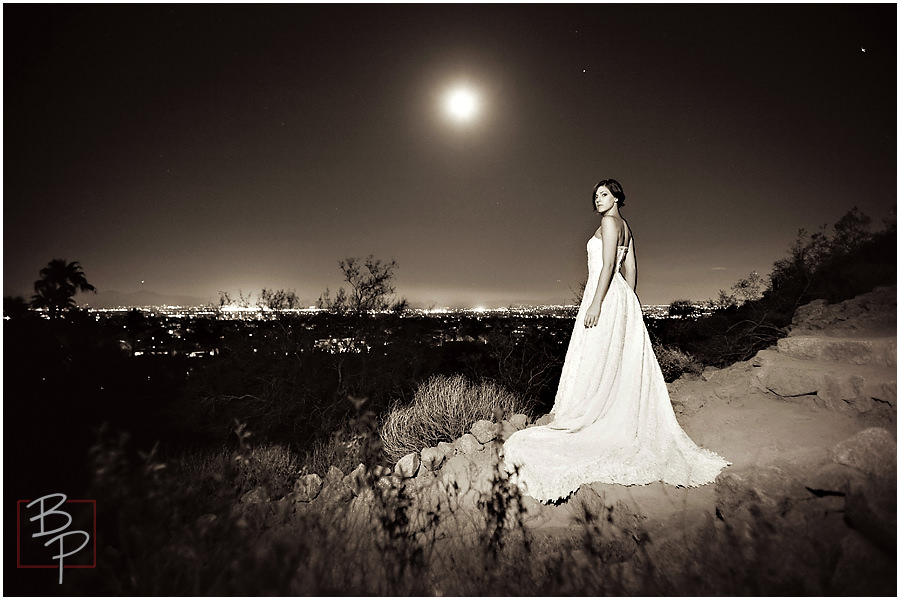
(280, 280)
(347, 451)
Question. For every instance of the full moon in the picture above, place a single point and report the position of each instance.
(462, 104)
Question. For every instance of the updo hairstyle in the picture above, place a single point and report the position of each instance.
(614, 187)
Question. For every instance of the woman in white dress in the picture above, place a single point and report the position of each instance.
(612, 419)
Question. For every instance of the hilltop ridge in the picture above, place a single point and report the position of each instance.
(808, 505)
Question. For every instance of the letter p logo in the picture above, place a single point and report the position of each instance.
(54, 524)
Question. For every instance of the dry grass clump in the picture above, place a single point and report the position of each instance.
(442, 410)
(272, 465)
(674, 362)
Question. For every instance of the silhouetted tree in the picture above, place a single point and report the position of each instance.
(400, 305)
(682, 308)
(14, 307)
(59, 283)
(278, 299)
(831, 265)
(242, 301)
(750, 288)
(371, 285)
(850, 232)
(792, 275)
(809, 272)
(725, 300)
(337, 304)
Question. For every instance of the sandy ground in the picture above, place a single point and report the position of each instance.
(749, 427)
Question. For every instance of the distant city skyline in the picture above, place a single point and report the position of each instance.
(184, 150)
(113, 299)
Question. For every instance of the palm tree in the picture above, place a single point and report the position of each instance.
(59, 283)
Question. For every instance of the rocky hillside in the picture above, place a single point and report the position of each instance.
(808, 505)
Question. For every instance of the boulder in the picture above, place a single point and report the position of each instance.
(871, 501)
(872, 451)
(519, 421)
(447, 449)
(356, 480)
(784, 376)
(874, 311)
(849, 351)
(506, 430)
(862, 570)
(257, 495)
(871, 509)
(851, 389)
(432, 458)
(468, 444)
(333, 476)
(545, 420)
(688, 397)
(484, 431)
(278, 513)
(833, 477)
(359, 509)
(307, 488)
(408, 466)
(334, 488)
(741, 494)
(471, 478)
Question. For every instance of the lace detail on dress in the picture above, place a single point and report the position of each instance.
(613, 420)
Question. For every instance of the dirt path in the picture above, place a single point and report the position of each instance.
(751, 429)
(810, 498)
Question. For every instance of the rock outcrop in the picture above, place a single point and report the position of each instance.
(808, 504)
(840, 357)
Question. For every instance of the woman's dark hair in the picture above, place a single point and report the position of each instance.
(614, 187)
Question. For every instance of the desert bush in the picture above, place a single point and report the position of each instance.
(442, 410)
(834, 266)
(675, 363)
(324, 453)
(273, 466)
(682, 309)
(527, 362)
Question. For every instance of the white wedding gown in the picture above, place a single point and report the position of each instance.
(612, 419)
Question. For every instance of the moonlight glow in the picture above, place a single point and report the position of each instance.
(462, 104)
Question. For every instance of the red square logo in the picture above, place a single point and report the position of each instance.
(54, 532)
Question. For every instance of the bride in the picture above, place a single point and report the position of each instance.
(612, 419)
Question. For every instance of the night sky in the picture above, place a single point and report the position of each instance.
(190, 149)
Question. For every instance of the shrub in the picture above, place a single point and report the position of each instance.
(356, 441)
(675, 363)
(273, 466)
(325, 453)
(832, 266)
(442, 410)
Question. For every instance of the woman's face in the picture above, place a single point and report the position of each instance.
(603, 199)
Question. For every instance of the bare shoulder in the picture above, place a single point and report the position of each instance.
(609, 223)
(613, 228)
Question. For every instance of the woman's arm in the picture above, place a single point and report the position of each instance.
(610, 236)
